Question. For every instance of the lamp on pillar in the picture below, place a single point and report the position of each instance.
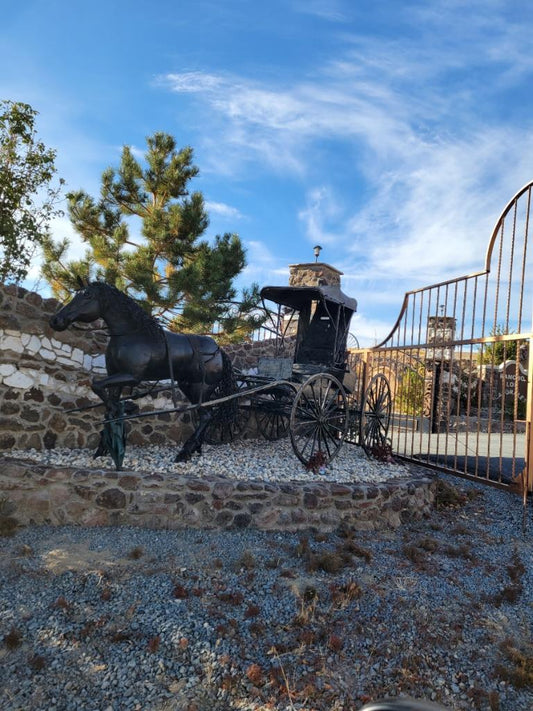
(317, 249)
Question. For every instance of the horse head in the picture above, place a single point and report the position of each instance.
(85, 307)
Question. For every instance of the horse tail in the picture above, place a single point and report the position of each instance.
(224, 417)
(228, 381)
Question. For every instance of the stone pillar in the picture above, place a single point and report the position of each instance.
(439, 399)
(314, 274)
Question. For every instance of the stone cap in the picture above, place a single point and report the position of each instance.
(313, 265)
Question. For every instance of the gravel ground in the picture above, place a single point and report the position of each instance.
(122, 618)
(241, 459)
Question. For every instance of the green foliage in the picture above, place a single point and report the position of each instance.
(27, 199)
(410, 391)
(499, 351)
(143, 236)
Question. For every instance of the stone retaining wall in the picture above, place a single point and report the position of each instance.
(86, 497)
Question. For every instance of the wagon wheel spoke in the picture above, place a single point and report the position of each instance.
(228, 420)
(272, 413)
(318, 418)
(375, 414)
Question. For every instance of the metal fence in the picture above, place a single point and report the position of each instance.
(458, 360)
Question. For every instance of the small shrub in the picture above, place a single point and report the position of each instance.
(61, 603)
(448, 496)
(354, 548)
(519, 669)
(331, 562)
(37, 662)
(153, 644)
(252, 611)
(461, 551)
(136, 553)
(246, 561)
(257, 628)
(317, 462)
(418, 556)
(335, 643)
(255, 674)
(428, 544)
(232, 598)
(8, 523)
(13, 638)
(343, 595)
(382, 452)
(120, 636)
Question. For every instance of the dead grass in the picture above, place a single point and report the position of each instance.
(517, 668)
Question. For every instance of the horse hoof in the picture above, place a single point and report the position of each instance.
(182, 457)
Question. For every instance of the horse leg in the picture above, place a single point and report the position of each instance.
(112, 437)
(196, 394)
(194, 443)
(110, 397)
(104, 386)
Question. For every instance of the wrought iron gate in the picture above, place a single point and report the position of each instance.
(459, 360)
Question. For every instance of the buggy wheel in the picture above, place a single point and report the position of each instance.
(228, 420)
(376, 412)
(273, 412)
(225, 425)
(318, 420)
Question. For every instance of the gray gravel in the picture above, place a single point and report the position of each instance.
(241, 459)
(123, 618)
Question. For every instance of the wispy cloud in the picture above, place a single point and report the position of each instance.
(331, 10)
(223, 210)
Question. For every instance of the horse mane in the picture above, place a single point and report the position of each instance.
(110, 295)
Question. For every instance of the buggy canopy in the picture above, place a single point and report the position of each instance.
(299, 297)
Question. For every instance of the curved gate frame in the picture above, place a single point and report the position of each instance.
(470, 415)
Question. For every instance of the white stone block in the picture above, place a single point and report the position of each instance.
(46, 343)
(98, 361)
(34, 345)
(25, 339)
(6, 369)
(12, 343)
(77, 355)
(87, 362)
(19, 380)
(56, 345)
(64, 360)
(44, 380)
(47, 355)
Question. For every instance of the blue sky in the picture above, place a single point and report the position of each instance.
(390, 132)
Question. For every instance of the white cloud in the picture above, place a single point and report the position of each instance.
(321, 206)
(223, 210)
(262, 265)
(331, 10)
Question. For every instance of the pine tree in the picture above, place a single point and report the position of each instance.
(168, 269)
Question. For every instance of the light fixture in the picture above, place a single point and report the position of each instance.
(317, 249)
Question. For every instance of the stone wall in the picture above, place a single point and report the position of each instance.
(55, 496)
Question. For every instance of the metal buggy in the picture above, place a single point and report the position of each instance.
(306, 389)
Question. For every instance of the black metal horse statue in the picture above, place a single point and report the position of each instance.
(139, 349)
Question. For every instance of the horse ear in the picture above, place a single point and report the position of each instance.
(80, 281)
